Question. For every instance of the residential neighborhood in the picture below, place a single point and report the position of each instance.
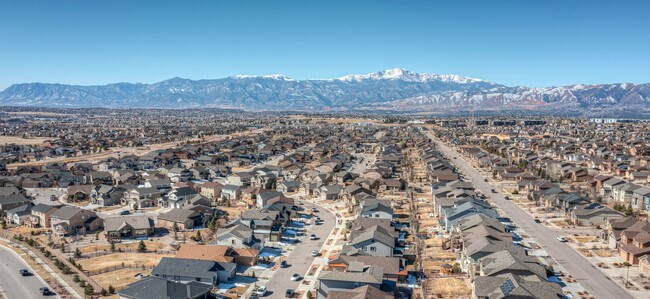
(318, 208)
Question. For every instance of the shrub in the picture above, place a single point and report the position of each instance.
(89, 290)
(111, 289)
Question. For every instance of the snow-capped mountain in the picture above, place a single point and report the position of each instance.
(408, 76)
(393, 89)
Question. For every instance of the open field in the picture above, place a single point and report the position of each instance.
(449, 287)
(119, 278)
(116, 259)
(23, 141)
(124, 151)
(133, 246)
(41, 113)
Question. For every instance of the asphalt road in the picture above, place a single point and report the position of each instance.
(592, 279)
(12, 284)
(300, 259)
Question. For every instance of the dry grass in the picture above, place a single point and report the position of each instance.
(603, 252)
(119, 278)
(133, 246)
(583, 239)
(450, 287)
(38, 113)
(26, 230)
(433, 242)
(23, 141)
(116, 259)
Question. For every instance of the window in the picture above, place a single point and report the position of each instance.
(197, 279)
(233, 241)
(376, 215)
(373, 248)
(364, 248)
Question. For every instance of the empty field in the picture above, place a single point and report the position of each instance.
(133, 246)
(119, 278)
(23, 141)
(116, 260)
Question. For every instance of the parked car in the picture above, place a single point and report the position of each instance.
(261, 291)
(24, 272)
(289, 293)
(314, 253)
(284, 264)
(561, 239)
(314, 210)
(493, 191)
(295, 277)
(125, 212)
(312, 237)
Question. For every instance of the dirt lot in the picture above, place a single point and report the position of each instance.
(133, 246)
(119, 278)
(583, 239)
(449, 287)
(23, 141)
(116, 259)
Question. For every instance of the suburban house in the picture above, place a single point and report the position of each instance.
(374, 241)
(183, 218)
(158, 287)
(344, 281)
(70, 220)
(41, 215)
(238, 236)
(376, 208)
(593, 214)
(12, 201)
(218, 253)
(126, 227)
(188, 270)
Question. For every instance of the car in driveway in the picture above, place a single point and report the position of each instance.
(295, 277)
(537, 220)
(314, 253)
(561, 239)
(289, 293)
(261, 291)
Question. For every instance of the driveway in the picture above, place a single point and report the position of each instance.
(300, 259)
(592, 279)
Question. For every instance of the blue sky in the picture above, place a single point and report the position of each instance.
(532, 43)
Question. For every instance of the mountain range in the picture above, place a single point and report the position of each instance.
(390, 90)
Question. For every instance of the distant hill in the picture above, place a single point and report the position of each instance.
(390, 90)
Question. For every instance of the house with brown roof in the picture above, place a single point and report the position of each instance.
(219, 253)
(70, 220)
(635, 242)
(183, 218)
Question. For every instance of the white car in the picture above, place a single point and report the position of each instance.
(312, 237)
(295, 277)
(261, 291)
(314, 253)
(561, 239)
